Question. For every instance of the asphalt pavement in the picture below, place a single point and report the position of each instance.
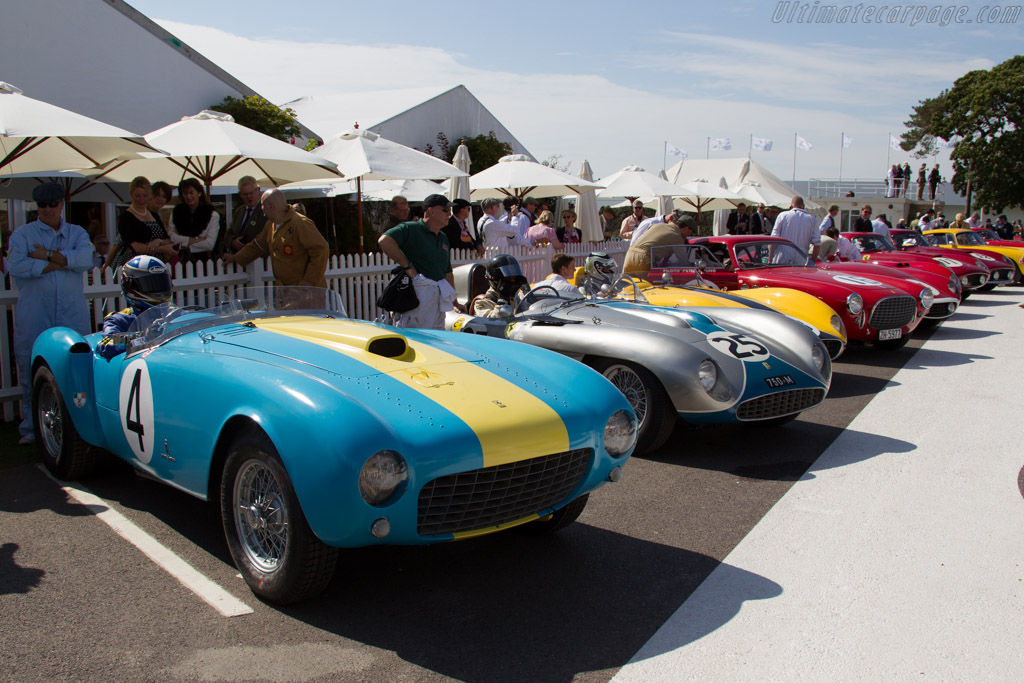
(665, 569)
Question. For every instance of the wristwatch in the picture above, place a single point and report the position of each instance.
(49, 254)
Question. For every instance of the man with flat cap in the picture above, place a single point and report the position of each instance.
(46, 258)
(421, 248)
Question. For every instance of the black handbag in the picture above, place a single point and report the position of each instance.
(399, 295)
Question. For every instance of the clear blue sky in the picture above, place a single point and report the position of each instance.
(722, 70)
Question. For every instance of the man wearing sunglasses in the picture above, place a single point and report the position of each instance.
(46, 258)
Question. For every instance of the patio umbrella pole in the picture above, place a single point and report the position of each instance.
(359, 189)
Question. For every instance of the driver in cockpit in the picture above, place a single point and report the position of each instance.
(599, 270)
(505, 277)
(145, 282)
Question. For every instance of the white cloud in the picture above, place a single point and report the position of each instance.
(586, 116)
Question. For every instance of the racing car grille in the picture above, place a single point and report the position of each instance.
(976, 279)
(487, 497)
(1001, 275)
(833, 346)
(893, 312)
(779, 404)
(941, 310)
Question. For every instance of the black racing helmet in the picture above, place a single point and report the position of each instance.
(146, 282)
(505, 276)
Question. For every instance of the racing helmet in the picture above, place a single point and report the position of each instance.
(505, 276)
(145, 282)
(598, 270)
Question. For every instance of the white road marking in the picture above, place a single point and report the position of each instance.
(898, 555)
(211, 593)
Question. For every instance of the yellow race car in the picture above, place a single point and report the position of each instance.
(701, 293)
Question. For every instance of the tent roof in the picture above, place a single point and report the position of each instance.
(735, 171)
(423, 114)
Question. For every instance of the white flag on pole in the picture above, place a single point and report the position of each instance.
(894, 142)
(675, 151)
(847, 141)
(762, 144)
(803, 144)
(720, 144)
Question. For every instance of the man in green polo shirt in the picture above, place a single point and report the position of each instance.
(422, 249)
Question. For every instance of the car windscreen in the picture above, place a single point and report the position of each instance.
(872, 243)
(752, 255)
(911, 239)
(971, 239)
(159, 324)
(683, 256)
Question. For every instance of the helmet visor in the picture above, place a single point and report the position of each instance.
(152, 287)
(509, 270)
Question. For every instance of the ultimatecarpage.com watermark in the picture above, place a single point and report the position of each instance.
(941, 15)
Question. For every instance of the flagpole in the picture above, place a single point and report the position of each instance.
(888, 146)
(750, 149)
(707, 153)
(664, 156)
(794, 160)
(842, 140)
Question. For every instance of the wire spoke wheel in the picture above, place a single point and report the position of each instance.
(261, 515)
(51, 420)
(655, 414)
(632, 387)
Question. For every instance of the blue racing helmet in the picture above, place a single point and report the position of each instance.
(146, 282)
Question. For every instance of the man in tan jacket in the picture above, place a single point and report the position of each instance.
(298, 252)
(674, 231)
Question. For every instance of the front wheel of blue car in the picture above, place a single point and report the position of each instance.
(655, 414)
(62, 450)
(270, 541)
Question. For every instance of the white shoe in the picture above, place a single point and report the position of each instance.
(27, 440)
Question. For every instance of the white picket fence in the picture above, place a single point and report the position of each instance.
(358, 279)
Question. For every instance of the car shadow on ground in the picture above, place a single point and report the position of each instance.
(511, 607)
(1004, 299)
(961, 316)
(952, 332)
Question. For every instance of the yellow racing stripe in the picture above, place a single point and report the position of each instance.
(511, 423)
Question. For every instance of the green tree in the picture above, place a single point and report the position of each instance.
(252, 111)
(984, 113)
(555, 161)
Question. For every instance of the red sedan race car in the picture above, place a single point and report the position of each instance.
(972, 243)
(992, 237)
(881, 250)
(999, 271)
(876, 310)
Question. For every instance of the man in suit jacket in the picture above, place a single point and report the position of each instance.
(248, 220)
(759, 223)
(862, 223)
(738, 222)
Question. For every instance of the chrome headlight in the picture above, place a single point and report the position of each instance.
(927, 298)
(855, 303)
(382, 474)
(819, 355)
(620, 432)
(837, 324)
(954, 285)
(707, 373)
(964, 281)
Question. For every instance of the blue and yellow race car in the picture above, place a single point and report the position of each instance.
(317, 432)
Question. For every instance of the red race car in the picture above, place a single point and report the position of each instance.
(881, 250)
(992, 237)
(879, 310)
(1001, 271)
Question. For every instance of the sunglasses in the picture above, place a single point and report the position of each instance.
(48, 205)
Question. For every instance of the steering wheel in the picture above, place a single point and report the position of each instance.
(533, 296)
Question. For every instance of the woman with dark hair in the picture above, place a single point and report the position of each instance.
(139, 230)
(194, 224)
(569, 234)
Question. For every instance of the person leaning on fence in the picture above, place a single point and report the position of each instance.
(298, 252)
(422, 249)
(46, 259)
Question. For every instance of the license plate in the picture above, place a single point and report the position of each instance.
(885, 335)
(779, 381)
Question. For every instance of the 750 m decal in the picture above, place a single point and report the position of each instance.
(135, 404)
(739, 346)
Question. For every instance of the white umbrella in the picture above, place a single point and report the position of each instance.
(365, 155)
(755, 193)
(702, 195)
(588, 222)
(459, 185)
(633, 182)
(516, 175)
(665, 203)
(76, 187)
(214, 149)
(376, 190)
(36, 137)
